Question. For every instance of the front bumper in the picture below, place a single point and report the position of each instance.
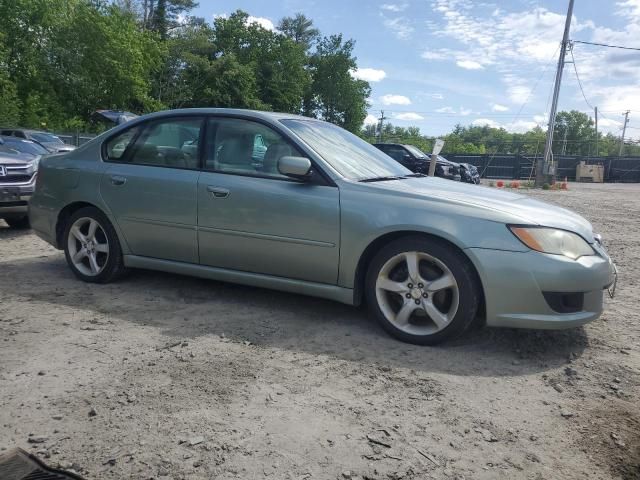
(514, 283)
(14, 198)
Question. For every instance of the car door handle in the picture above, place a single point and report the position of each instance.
(217, 192)
(118, 180)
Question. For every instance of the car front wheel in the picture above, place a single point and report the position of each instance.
(422, 290)
(92, 248)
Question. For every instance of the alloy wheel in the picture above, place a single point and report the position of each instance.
(417, 293)
(88, 246)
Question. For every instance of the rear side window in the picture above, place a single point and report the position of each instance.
(118, 145)
(172, 142)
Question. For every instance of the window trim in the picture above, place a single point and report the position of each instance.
(321, 177)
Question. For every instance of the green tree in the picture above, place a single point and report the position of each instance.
(335, 96)
(574, 133)
(300, 29)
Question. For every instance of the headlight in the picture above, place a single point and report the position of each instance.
(554, 241)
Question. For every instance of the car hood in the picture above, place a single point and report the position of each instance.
(17, 159)
(519, 209)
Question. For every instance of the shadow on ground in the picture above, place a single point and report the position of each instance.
(185, 307)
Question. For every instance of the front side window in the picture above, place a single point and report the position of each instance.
(244, 147)
(171, 142)
(349, 155)
(397, 153)
(416, 152)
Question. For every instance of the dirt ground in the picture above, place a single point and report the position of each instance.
(162, 376)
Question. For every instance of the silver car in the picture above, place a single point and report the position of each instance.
(18, 173)
(322, 213)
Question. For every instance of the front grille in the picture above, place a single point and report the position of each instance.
(15, 179)
(16, 174)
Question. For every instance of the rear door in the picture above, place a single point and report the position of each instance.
(254, 219)
(150, 187)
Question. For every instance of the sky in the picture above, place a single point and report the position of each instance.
(437, 63)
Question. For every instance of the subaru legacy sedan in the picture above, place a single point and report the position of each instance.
(318, 212)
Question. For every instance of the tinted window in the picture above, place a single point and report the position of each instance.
(397, 153)
(245, 147)
(168, 143)
(348, 154)
(416, 151)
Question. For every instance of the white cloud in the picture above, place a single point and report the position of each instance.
(481, 122)
(541, 119)
(395, 100)
(629, 8)
(450, 110)
(437, 96)
(394, 7)
(434, 55)
(262, 21)
(370, 120)
(368, 74)
(469, 64)
(408, 116)
(496, 107)
(500, 39)
(399, 26)
(608, 125)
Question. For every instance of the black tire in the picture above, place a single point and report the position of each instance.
(21, 223)
(469, 288)
(114, 267)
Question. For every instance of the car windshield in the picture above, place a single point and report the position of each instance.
(349, 155)
(46, 138)
(26, 147)
(416, 152)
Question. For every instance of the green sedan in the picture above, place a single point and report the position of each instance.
(296, 204)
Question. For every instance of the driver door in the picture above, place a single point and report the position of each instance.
(254, 219)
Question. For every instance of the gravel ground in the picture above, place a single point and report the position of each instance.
(165, 376)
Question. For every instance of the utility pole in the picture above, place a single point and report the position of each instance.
(543, 169)
(596, 113)
(381, 124)
(624, 130)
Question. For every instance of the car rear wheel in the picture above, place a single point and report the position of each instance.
(422, 291)
(18, 222)
(92, 248)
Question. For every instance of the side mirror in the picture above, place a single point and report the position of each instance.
(295, 167)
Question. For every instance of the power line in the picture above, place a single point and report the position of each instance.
(606, 45)
(575, 69)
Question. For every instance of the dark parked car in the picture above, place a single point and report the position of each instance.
(417, 161)
(20, 145)
(469, 173)
(51, 142)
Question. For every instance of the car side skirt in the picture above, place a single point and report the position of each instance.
(331, 292)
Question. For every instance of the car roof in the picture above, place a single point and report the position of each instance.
(11, 138)
(226, 111)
